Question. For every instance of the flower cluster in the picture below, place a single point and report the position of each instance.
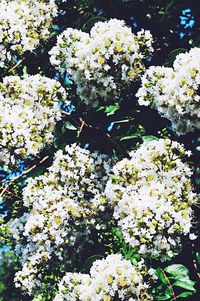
(64, 204)
(29, 110)
(112, 278)
(152, 197)
(23, 23)
(104, 62)
(175, 91)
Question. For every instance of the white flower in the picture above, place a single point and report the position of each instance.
(110, 279)
(29, 110)
(152, 197)
(175, 91)
(64, 204)
(193, 236)
(23, 23)
(103, 63)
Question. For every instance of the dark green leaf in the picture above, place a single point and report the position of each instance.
(88, 263)
(134, 136)
(198, 257)
(163, 298)
(36, 172)
(91, 22)
(69, 126)
(185, 295)
(173, 54)
(161, 276)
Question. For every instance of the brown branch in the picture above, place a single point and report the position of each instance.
(170, 285)
(21, 175)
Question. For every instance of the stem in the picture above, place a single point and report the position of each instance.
(170, 285)
(21, 175)
(14, 67)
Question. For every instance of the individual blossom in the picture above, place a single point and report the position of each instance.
(29, 110)
(152, 196)
(104, 62)
(23, 24)
(112, 278)
(175, 91)
(64, 206)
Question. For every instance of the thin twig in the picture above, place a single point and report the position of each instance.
(170, 285)
(14, 67)
(21, 175)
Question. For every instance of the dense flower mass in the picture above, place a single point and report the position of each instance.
(29, 110)
(112, 278)
(104, 62)
(175, 91)
(152, 197)
(23, 23)
(63, 205)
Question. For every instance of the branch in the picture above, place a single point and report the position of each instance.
(21, 175)
(14, 67)
(170, 285)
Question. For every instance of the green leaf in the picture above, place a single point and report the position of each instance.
(36, 172)
(100, 109)
(25, 70)
(134, 136)
(91, 22)
(185, 283)
(134, 261)
(198, 257)
(112, 109)
(173, 54)
(69, 126)
(185, 295)
(149, 138)
(88, 263)
(177, 270)
(117, 232)
(161, 276)
(163, 298)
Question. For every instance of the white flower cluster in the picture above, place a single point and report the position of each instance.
(152, 197)
(112, 278)
(104, 62)
(23, 23)
(64, 205)
(29, 110)
(175, 91)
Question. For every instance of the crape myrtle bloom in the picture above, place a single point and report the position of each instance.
(175, 91)
(104, 62)
(111, 278)
(23, 24)
(152, 196)
(64, 206)
(29, 110)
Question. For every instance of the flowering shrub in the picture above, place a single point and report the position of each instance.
(97, 194)
(110, 278)
(23, 24)
(175, 91)
(63, 205)
(29, 110)
(152, 197)
(104, 62)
